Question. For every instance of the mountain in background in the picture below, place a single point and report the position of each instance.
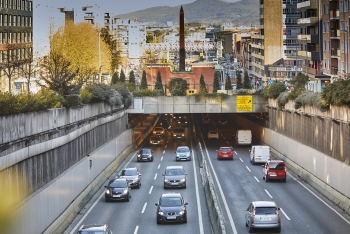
(244, 12)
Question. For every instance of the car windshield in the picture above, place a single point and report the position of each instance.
(158, 129)
(171, 201)
(145, 151)
(129, 172)
(92, 232)
(155, 137)
(265, 210)
(182, 149)
(225, 149)
(178, 130)
(213, 132)
(171, 172)
(118, 184)
(277, 166)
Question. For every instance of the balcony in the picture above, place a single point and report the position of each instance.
(335, 52)
(335, 34)
(303, 4)
(304, 37)
(310, 20)
(334, 71)
(334, 15)
(315, 38)
(310, 70)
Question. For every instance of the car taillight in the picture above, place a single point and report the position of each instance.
(285, 169)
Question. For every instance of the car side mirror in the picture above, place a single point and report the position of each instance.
(263, 165)
(185, 173)
(246, 209)
(217, 150)
(157, 204)
(105, 186)
(163, 175)
(186, 203)
(140, 175)
(249, 150)
(279, 208)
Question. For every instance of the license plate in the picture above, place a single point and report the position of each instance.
(175, 183)
(225, 156)
(184, 159)
(266, 218)
(144, 158)
(171, 217)
(116, 195)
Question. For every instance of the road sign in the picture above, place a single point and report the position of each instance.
(244, 103)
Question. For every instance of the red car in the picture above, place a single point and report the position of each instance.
(225, 153)
(274, 170)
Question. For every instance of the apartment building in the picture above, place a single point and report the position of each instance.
(16, 42)
(275, 46)
(335, 24)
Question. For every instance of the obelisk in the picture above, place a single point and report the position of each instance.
(182, 41)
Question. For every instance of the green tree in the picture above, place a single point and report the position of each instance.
(144, 84)
(122, 76)
(159, 85)
(202, 85)
(112, 44)
(246, 81)
(178, 87)
(274, 90)
(298, 84)
(216, 84)
(132, 77)
(239, 79)
(228, 84)
(115, 78)
(337, 93)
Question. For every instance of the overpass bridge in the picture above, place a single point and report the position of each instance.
(196, 104)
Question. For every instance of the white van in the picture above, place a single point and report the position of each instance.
(243, 137)
(260, 154)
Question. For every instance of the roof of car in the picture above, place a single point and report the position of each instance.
(130, 168)
(264, 203)
(183, 147)
(275, 161)
(177, 167)
(171, 194)
(93, 227)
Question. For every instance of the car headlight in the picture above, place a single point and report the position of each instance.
(182, 180)
(183, 134)
(139, 155)
(188, 155)
(181, 212)
(125, 191)
(177, 155)
(160, 212)
(166, 180)
(107, 191)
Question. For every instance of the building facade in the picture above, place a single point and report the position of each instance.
(16, 42)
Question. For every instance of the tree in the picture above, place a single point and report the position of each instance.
(144, 84)
(298, 84)
(246, 81)
(10, 63)
(112, 44)
(178, 87)
(202, 85)
(159, 85)
(28, 66)
(115, 78)
(132, 81)
(216, 84)
(239, 84)
(122, 76)
(228, 84)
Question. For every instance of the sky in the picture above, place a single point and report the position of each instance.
(46, 13)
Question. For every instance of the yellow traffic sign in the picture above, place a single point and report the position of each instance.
(244, 104)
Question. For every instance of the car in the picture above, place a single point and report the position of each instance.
(145, 154)
(183, 153)
(182, 122)
(94, 228)
(225, 152)
(262, 214)
(132, 175)
(158, 131)
(171, 208)
(179, 133)
(213, 134)
(156, 140)
(117, 189)
(222, 121)
(165, 124)
(206, 120)
(174, 177)
(274, 170)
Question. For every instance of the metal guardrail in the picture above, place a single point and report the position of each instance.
(215, 211)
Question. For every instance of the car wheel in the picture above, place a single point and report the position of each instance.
(250, 229)
(185, 220)
(246, 223)
(128, 199)
(253, 161)
(158, 222)
(285, 180)
(106, 199)
(185, 186)
(164, 187)
(152, 159)
(278, 230)
(138, 186)
(266, 179)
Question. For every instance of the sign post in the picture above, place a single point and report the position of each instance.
(244, 103)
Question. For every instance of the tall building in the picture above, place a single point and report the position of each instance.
(310, 39)
(335, 23)
(274, 48)
(16, 41)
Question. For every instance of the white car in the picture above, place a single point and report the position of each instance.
(158, 131)
(213, 134)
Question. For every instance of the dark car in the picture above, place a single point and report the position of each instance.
(171, 208)
(145, 154)
(156, 140)
(179, 133)
(222, 121)
(183, 153)
(94, 228)
(118, 189)
(132, 175)
(174, 177)
(182, 122)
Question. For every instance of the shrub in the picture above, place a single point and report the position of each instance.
(274, 90)
(282, 99)
(142, 93)
(127, 97)
(309, 98)
(85, 96)
(102, 92)
(337, 93)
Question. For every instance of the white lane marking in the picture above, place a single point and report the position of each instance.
(201, 229)
(155, 176)
(284, 213)
(235, 152)
(248, 169)
(161, 159)
(136, 229)
(256, 179)
(234, 230)
(166, 146)
(150, 191)
(144, 207)
(241, 159)
(321, 200)
(164, 152)
(158, 166)
(268, 193)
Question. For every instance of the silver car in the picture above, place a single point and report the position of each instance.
(174, 177)
(263, 214)
(183, 153)
(132, 175)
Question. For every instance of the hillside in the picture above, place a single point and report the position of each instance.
(243, 12)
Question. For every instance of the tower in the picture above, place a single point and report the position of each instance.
(182, 41)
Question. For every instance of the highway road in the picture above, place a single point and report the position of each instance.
(237, 182)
